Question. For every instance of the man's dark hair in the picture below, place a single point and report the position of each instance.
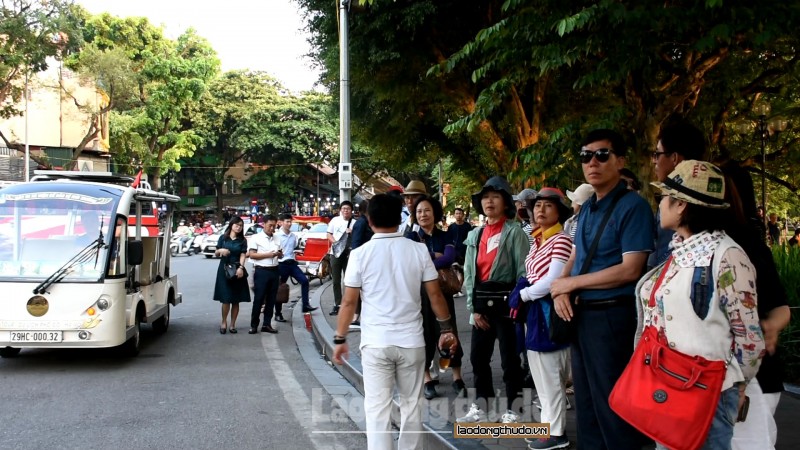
(604, 134)
(362, 207)
(270, 218)
(346, 203)
(384, 211)
(285, 216)
(636, 185)
(438, 211)
(458, 209)
(681, 137)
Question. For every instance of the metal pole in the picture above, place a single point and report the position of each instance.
(344, 94)
(27, 146)
(441, 181)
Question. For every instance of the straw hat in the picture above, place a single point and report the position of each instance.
(415, 187)
(698, 182)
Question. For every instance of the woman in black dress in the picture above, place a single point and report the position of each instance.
(232, 248)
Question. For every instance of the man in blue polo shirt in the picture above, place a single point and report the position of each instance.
(605, 313)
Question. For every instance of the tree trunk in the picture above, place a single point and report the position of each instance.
(218, 189)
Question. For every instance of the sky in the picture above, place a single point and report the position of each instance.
(261, 35)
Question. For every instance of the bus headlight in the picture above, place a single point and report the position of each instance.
(103, 304)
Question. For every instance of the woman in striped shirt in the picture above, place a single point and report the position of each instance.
(548, 361)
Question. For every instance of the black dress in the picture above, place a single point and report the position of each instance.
(231, 291)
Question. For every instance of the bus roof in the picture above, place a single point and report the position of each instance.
(124, 181)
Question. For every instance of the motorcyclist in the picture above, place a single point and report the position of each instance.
(184, 232)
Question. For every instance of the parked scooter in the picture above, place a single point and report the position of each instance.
(176, 246)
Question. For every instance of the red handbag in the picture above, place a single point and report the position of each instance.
(667, 395)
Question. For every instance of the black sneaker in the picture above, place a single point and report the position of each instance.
(460, 388)
(279, 318)
(334, 311)
(430, 391)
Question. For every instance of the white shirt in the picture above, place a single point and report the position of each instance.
(389, 270)
(337, 226)
(288, 243)
(262, 243)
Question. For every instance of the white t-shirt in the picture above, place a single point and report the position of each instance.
(389, 270)
(337, 226)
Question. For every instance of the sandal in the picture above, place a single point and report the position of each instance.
(233, 331)
(222, 330)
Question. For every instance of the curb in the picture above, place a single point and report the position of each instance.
(792, 389)
(352, 372)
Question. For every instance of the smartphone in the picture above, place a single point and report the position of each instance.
(743, 410)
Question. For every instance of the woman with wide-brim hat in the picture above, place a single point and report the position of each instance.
(714, 320)
(495, 253)
(547, 360)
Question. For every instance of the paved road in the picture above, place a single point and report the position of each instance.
(190, 388)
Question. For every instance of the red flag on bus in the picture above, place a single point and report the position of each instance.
(137, 180)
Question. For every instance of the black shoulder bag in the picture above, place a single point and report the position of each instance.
(490, 297)
(561, 331)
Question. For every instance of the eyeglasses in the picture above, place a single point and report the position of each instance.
(655, 155)
(601, 155)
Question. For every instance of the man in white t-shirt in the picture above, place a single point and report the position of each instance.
(387, 272)
(339, 226)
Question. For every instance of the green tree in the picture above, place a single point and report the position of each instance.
(220, 119)
(30, 33)
(518, 82)
(168, 77)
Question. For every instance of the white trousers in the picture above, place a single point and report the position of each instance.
(758, 431)
(384, 370)
(549, 372)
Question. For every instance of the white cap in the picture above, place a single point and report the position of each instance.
(581, 194)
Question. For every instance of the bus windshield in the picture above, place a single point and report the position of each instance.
(45, 225)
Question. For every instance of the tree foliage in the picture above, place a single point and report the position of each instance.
(31, 31)
(512, 86)
(151, 97)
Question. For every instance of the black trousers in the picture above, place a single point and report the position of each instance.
(602, 349)
(265, 289)
(503, 330)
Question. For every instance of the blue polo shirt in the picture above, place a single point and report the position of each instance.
(630, 229)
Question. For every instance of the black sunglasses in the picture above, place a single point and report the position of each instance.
(601, 155)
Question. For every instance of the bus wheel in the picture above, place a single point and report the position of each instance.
(161, 324)
(131, 346)
(9, 352)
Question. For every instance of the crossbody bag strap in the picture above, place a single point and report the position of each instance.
(600, 229)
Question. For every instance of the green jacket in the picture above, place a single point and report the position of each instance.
(508, 266)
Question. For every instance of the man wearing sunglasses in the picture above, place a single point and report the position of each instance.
(604, 312)
(677, 141)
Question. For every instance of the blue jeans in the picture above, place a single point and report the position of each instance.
(721, 432)
(291, 269)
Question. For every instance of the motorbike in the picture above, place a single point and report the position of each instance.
(190, 247)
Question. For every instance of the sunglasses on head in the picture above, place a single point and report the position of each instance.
(601, 155)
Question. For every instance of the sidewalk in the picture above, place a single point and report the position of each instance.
(443, 409)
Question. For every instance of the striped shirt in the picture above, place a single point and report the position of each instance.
(537, 264)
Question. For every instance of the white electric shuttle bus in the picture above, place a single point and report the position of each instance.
(84, 261)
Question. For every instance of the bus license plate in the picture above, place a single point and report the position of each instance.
(36, 336)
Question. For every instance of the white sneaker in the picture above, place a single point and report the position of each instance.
(509, 417)
(475, 414)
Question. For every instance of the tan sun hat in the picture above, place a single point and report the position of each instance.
(415, 187)
(698, 182)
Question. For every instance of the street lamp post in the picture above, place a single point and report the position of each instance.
(764, 127)
(344, 93)
(762, 109)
